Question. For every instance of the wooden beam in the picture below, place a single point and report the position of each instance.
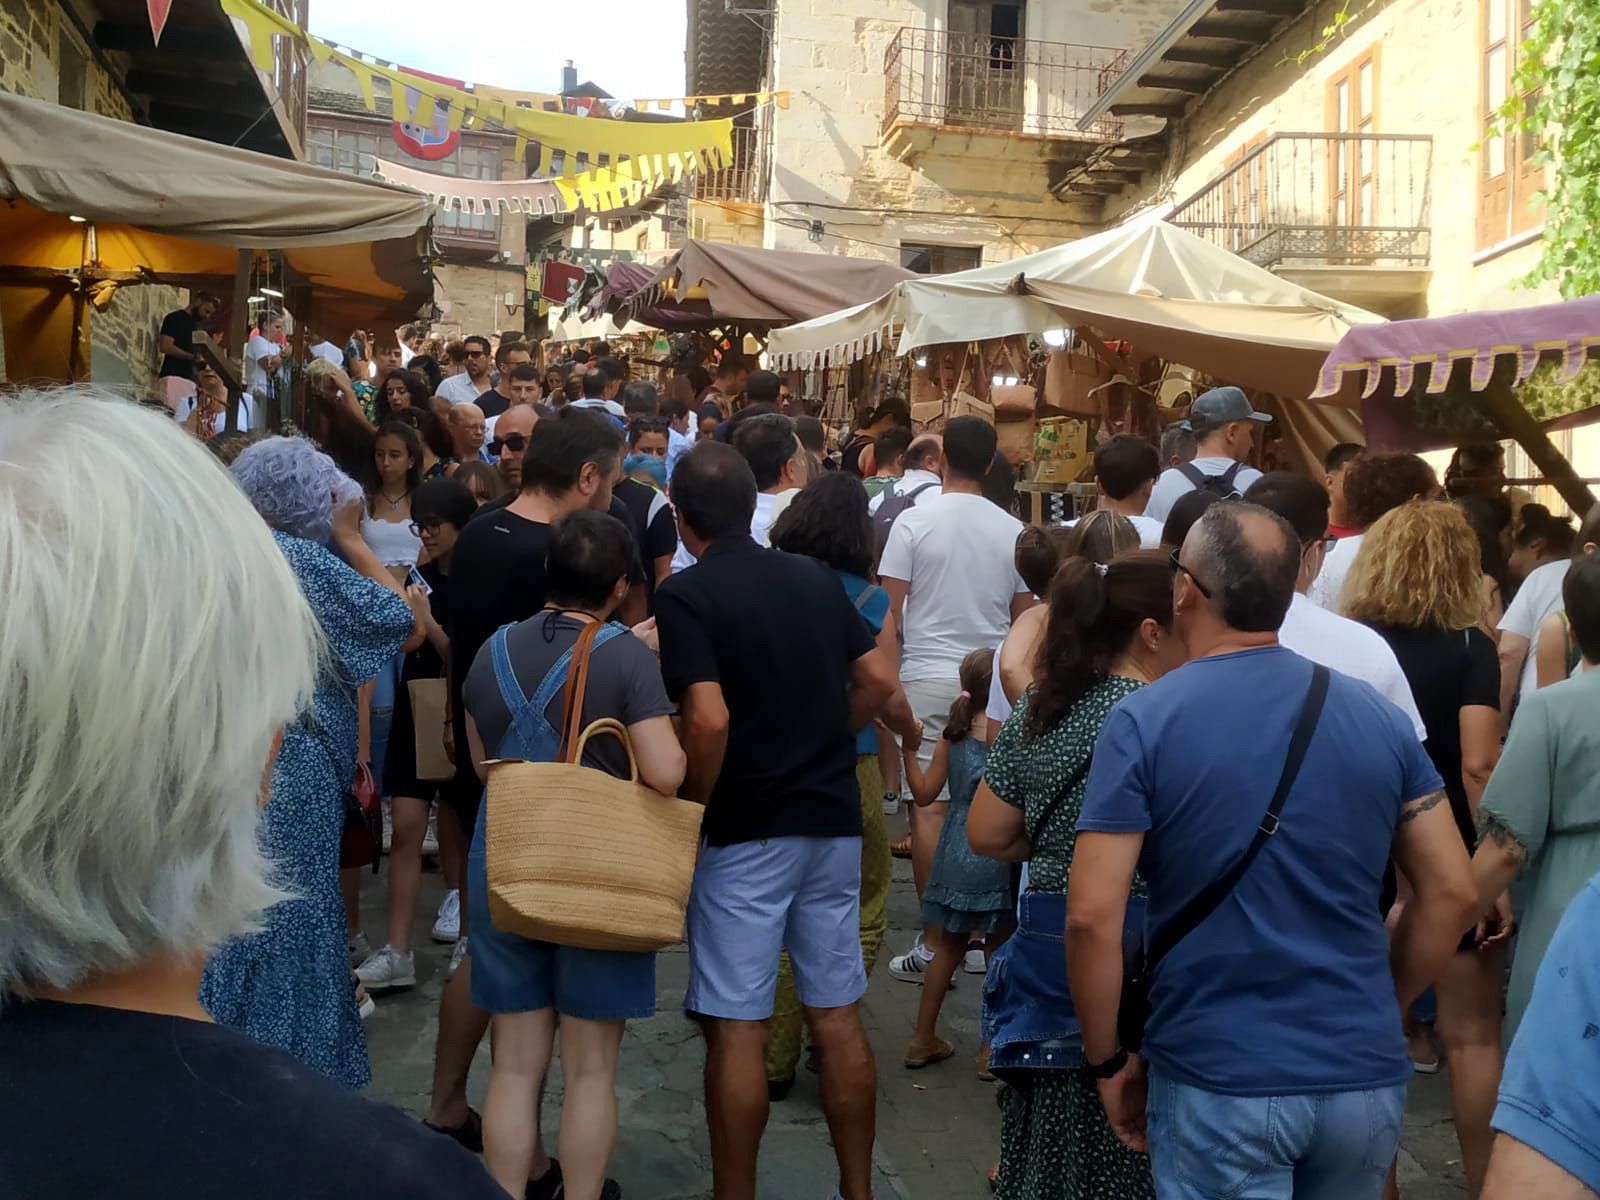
(119, 37)
(1225, 31)
(1101, 187)
(1501, 405)
(1175, 83)
(1276, 8)
(1164, 108)
(1199, 56)
(1109, 172)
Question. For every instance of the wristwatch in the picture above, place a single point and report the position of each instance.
(1109, 1068)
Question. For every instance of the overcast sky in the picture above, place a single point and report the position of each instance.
(631, 48)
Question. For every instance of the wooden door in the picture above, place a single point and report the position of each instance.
(983, 61)
(1353, 178)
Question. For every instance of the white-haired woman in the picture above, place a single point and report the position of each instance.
(153, 646)
(290, 985)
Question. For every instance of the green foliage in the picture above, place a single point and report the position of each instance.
(1556, 97)
(1546, 394)
(1330, 33)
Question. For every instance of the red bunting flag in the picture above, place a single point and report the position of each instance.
(159, 11)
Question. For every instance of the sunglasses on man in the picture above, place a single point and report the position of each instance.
(514, 442)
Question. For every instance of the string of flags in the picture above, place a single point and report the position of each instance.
(736, 99)
(598, 158)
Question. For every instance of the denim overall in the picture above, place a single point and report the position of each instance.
(511, 973)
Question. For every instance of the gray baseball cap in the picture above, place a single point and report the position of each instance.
(1216, 408)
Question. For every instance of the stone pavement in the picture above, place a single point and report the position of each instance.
(938, 1129)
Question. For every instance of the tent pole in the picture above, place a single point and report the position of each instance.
(1506, 411)
(239, 316)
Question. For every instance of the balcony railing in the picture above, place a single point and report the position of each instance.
(739, 181)
(1333, 199)
(1008, 85)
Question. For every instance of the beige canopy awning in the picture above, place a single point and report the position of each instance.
(160, 207)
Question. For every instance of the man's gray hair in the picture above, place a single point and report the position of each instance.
(1249, 558)
(154, 642)
(1178, 443)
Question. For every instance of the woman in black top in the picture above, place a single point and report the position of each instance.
(1417, 580)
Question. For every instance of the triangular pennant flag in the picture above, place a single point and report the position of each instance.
(783, 100)
(159, 11)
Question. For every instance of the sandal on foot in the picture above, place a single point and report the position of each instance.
(901, 847)
(918, 1056)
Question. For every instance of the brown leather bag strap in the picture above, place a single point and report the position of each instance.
(572, 694)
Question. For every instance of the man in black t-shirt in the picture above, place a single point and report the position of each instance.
(176, 343)
(774, 672)
(510, 355)
(497, 576)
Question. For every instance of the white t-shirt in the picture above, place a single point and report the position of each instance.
(906, 484)
(247, 412)
(760, 526)
(1149, 531)
(255, 375)
(1536, 600)
(1174, 483)
(956, 551)
(460, 389)
(330, 352)
(1352, 649)
(606, 406)
(1329, 583)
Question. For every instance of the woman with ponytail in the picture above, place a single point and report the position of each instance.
(965, 894)
(1109, 634)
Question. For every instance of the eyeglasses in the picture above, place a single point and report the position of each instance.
(476, 353)
(514, 442)
(1193, 578)
(418, 528)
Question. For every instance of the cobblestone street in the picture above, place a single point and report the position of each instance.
(938, 1129)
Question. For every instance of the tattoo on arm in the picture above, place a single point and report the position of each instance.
(1413, 810)
(1490, 829)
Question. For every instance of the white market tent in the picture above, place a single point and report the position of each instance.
(1169, 292)
(572, 327)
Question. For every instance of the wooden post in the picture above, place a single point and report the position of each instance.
(300, 303)
(1501, 405)
(239, 317)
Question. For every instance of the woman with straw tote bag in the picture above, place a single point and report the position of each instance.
(581, 860)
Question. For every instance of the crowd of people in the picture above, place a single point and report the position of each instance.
(1241, 790)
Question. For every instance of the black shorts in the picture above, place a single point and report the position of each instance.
(461, 792)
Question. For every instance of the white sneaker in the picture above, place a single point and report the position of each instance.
(973, 963)
(891, 804)
(388, 968)
(366, 1007)
(430, 835)
(908, 967)
(457, 955)
(356, 943)
(447, 925)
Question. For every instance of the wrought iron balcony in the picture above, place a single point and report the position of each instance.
(741, 179)
(1002, 85)
(1321, 200)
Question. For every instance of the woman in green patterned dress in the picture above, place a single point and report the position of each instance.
(1109, 633)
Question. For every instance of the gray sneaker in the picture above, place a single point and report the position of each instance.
(388, 968)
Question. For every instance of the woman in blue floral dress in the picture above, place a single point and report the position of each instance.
(290, 984)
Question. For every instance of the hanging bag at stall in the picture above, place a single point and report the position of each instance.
(576, 856)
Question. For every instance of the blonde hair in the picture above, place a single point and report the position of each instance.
(154, 643)
(1419, 565)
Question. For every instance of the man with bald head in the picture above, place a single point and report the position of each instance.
(467, 429)
(922, 474)
(1261, 799)
(511, 434)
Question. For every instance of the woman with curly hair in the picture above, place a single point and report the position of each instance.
(399, 391)
(1418, 582)
(1373, 485)
(289, 985)
(828, 521)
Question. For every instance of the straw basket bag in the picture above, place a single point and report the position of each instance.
(581, 858)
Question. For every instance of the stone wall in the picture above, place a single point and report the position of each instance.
(1428, 67)
(829, 54)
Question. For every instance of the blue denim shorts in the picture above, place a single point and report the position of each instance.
(751, 899)
(514, 974)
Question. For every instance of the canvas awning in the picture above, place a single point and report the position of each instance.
(160, 207)
(715, 284)
(1171, 293)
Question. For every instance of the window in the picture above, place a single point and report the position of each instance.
(72, 70)
(939, 260)
(1352, 161)
(354, 153)
(1507, 177)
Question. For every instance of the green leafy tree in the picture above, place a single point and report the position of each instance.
(1556, 97)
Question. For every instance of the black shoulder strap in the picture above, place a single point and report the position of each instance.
(911, 496)
(1192, 473)
(1056, 801)
(1228, 476)
(1206, 903)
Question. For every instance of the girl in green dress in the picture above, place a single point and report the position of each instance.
(1109, 634)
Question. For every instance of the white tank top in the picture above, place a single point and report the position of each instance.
(392, 541)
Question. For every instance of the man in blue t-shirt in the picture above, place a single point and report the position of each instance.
(1549, 1111)
(1274, 1046)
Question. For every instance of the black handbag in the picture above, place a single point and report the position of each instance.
(1134, 1010)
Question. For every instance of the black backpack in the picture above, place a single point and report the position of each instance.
(893, 504)
(1222, 484)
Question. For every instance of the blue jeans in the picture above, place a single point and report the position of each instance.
(1325, 1146)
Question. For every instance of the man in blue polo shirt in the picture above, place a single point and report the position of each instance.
(1549, 1111)
(1276, 1062)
